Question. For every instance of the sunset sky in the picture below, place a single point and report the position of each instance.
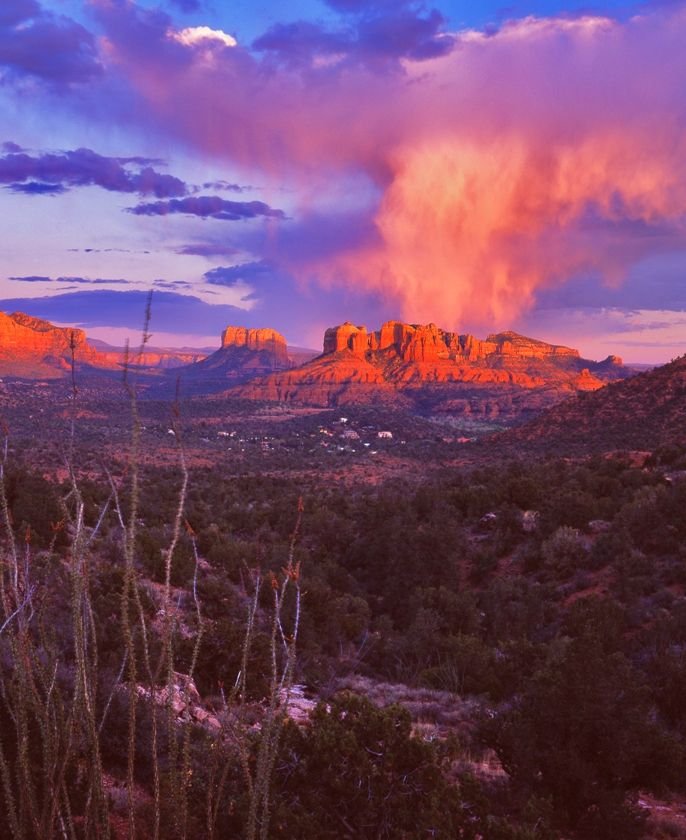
(295, 165)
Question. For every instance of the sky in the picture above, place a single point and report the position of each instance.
(296, 165)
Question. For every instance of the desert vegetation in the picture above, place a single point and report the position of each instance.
(488, 650)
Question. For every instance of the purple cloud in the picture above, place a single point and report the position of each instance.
(57, 172)
(357, 7)
(171, 312)
(303, 310)
(37, 188)
(209, 207)
(207, 249)
(223, 185)
(299, 42)
(171, 284)
(106, 251)
(36, 42)
(382, 32)
(406, 34)
(259, 272)
(13, 12)
(99, 281)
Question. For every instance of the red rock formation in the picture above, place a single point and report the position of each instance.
(410, 358)
(244, 354)
(428, 343)
(159, 359)
(513, 344)
(345, 337)
(31, 347)
(258, 340)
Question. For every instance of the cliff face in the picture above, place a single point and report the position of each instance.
(244, 354)
(153, 359)
(258, 341)
(439, 370)
(36, 349)
(31, 347)
(429, 343)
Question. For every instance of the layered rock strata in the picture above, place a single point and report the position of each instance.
(34, 348)
(423, 364)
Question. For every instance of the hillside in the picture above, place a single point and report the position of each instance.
(644, 412)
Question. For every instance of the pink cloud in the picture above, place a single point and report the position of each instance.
(487, 161)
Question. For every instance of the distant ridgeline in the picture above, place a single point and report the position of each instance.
(32, 348)
(418, 367)
(425, 367)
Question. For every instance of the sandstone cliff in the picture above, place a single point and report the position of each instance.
(429, 343)
(265, 341)
(153, 359)
(243, 354)
(33, 348)
(436, 369)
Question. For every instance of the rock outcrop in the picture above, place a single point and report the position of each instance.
(153, 359)
(34, 348)
(429, 343)
(244, 354)
(440, 370)
(259, 341)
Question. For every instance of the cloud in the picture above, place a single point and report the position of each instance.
(98, 281)
(387, 35)
(172, 284)
(207, 249)
(203, 36)
(638, 335)
(106, 251)
(37, 188)
(483, 165)
(53, 173)
(277, 299)
(255, 272)
(14, 12)
(209, 207)
(357, 7)
(171, 312)
(223, 185)
(656, 282)
(37, 43)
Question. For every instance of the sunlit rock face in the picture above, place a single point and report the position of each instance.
(36, 349)
(429, 343)
(31, 347)
(258, 340)
(422, 364)
(243, 355)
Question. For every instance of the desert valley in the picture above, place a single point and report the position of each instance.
(473, 551)
(342, 420)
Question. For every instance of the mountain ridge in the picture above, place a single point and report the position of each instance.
(421, 368)
(643, 412)
(425, 366)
